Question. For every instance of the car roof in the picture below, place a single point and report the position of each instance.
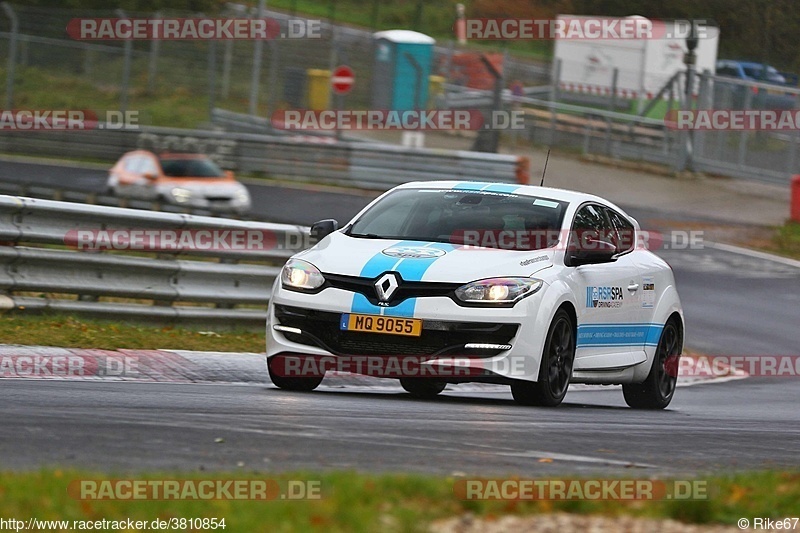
(526, 190)
(181, 155)
(748, 64)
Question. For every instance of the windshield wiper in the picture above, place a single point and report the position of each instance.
(366, 236)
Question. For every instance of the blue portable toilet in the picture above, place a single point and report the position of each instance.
(403, 61)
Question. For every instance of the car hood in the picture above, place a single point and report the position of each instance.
(202, 187)
(421, 260)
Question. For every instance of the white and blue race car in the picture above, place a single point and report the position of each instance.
(532, 287)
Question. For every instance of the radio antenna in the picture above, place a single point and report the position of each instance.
(545, 167)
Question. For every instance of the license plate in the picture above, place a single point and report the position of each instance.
(410, 327)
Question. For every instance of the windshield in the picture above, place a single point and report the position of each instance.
(191, 168)
(485, 219)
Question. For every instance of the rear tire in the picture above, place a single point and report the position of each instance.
(657, 390)
(292, 383)
(555, 371)
(422, 387)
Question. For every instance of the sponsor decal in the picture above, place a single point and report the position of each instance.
(648, 293)
(596, 335)
(413, 252)
(605, 296)
(533, 260)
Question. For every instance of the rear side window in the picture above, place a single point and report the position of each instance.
(591, 223)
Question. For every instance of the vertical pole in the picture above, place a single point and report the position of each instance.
(227, 60)
(126, 69)
(554, 98)
(612, 104)
(12, 54)
(152, 66)
(212, 77)
(448, 65)
(273, 78)
(256, 74)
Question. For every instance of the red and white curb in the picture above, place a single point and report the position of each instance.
(184, 366)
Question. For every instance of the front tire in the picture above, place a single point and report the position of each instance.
(292, 383)
(657, 390)
(422, 387)
(556, 368)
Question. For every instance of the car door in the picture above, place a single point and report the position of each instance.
(607, 295)
(150, 171)
(130, 181)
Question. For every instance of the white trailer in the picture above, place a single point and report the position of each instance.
(643, 65)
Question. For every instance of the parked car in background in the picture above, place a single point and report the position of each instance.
(191, 180)
(761, 98)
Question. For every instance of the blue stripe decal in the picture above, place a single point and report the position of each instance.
(590, 335)
(410, 269)
(507, 188)
(470, 186)
(503, 188)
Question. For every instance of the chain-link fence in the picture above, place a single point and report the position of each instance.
(174, 82)
(178, 83)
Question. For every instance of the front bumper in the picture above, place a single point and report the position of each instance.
(501, 343)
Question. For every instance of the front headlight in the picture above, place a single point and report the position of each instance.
(181, 195)
(495, 291)
(241, 197)
(301, 275)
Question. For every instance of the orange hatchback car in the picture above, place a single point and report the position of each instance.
(191, 180)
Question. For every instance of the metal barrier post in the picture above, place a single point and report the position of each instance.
(255, 77)
(12, 53)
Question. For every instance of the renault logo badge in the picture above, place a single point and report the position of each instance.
(386, 286)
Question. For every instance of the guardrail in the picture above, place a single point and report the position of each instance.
(346, 163)
(44, 269)
(67, 193)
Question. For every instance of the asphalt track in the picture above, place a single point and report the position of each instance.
(735, 304)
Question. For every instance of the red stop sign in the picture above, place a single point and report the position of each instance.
(343, 79)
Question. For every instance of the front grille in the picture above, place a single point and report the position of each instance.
(405, 289)
(218, 199)
(321, 328)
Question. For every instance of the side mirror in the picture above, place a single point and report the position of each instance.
(592, 252)
(150, 176)
(229, 174)
(323, 228)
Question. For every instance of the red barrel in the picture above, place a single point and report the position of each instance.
(796, 198)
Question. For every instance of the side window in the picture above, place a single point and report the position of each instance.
(727, 71)
(591, 223)
(148, 166)
(626, 234)
(133, 163)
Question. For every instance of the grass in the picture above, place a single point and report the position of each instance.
(71, 332)
(787, 240)
(387, 502)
